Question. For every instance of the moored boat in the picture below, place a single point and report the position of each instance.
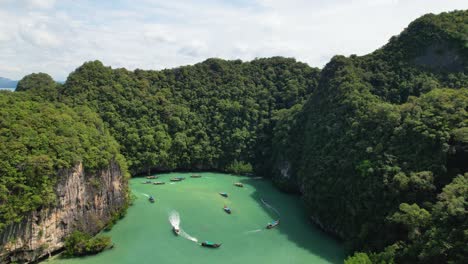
(151, 177)
(147, 182)
(195, 176)
(239, 184)
(227, 209)
(159, 183)
(272, 224)
(175, 179)
(223, 194)
(210, 244)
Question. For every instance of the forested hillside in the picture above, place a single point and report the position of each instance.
(377, 145)
(380, 150)
(38, 139)
(213, 115)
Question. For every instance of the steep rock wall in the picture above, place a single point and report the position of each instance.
(84, 201)
(284, 176)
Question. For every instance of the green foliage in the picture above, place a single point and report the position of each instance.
(206, 116)
(412, 218)
(460, 135)
(286, 146)
(81, 244)
(35, 81)
(379, 139)
(40, 84)
(239, 167)
(37, 140)
(377, 144)
(119, 214)
(358, 258)
(445, 241)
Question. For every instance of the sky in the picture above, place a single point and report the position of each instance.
(57, 36)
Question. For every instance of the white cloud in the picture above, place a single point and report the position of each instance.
(195, 48)
(7, 68)
(58, 36)
(41, 4)
(155, 33)
(40, 36)
(4, 36)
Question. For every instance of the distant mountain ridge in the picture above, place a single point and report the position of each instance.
(7, 83)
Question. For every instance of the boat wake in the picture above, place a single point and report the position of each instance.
(253, 231)
(187, 236)
(146, 195)
(174, 219)
(271, 207)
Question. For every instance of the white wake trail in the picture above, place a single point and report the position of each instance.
(271, 207)
(187, 236)
(174, 219)
(253, 231)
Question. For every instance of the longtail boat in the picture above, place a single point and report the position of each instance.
(227, 209)
(176, 230)
(272, 224)
(210, 244)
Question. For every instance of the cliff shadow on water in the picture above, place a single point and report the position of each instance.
(296, 227)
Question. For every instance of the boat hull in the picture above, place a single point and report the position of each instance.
(272, 225)
(210, 245)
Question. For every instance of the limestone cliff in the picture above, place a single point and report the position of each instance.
(85, 201)
(284, 177)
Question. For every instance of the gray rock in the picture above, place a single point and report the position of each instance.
(80, 206)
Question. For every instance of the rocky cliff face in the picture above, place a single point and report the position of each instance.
(84, 201)
(284, 177)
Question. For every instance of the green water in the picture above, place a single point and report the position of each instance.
(145, 236)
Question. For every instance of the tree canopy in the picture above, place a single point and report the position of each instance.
(37, 140)
(381, 141)
(212, 115)
(377, 144)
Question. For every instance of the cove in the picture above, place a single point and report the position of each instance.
(144, 235)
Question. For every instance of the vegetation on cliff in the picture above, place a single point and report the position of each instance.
(39, 139)
(378, 144)
(213, 115)
(380, 148)
(81, 244)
